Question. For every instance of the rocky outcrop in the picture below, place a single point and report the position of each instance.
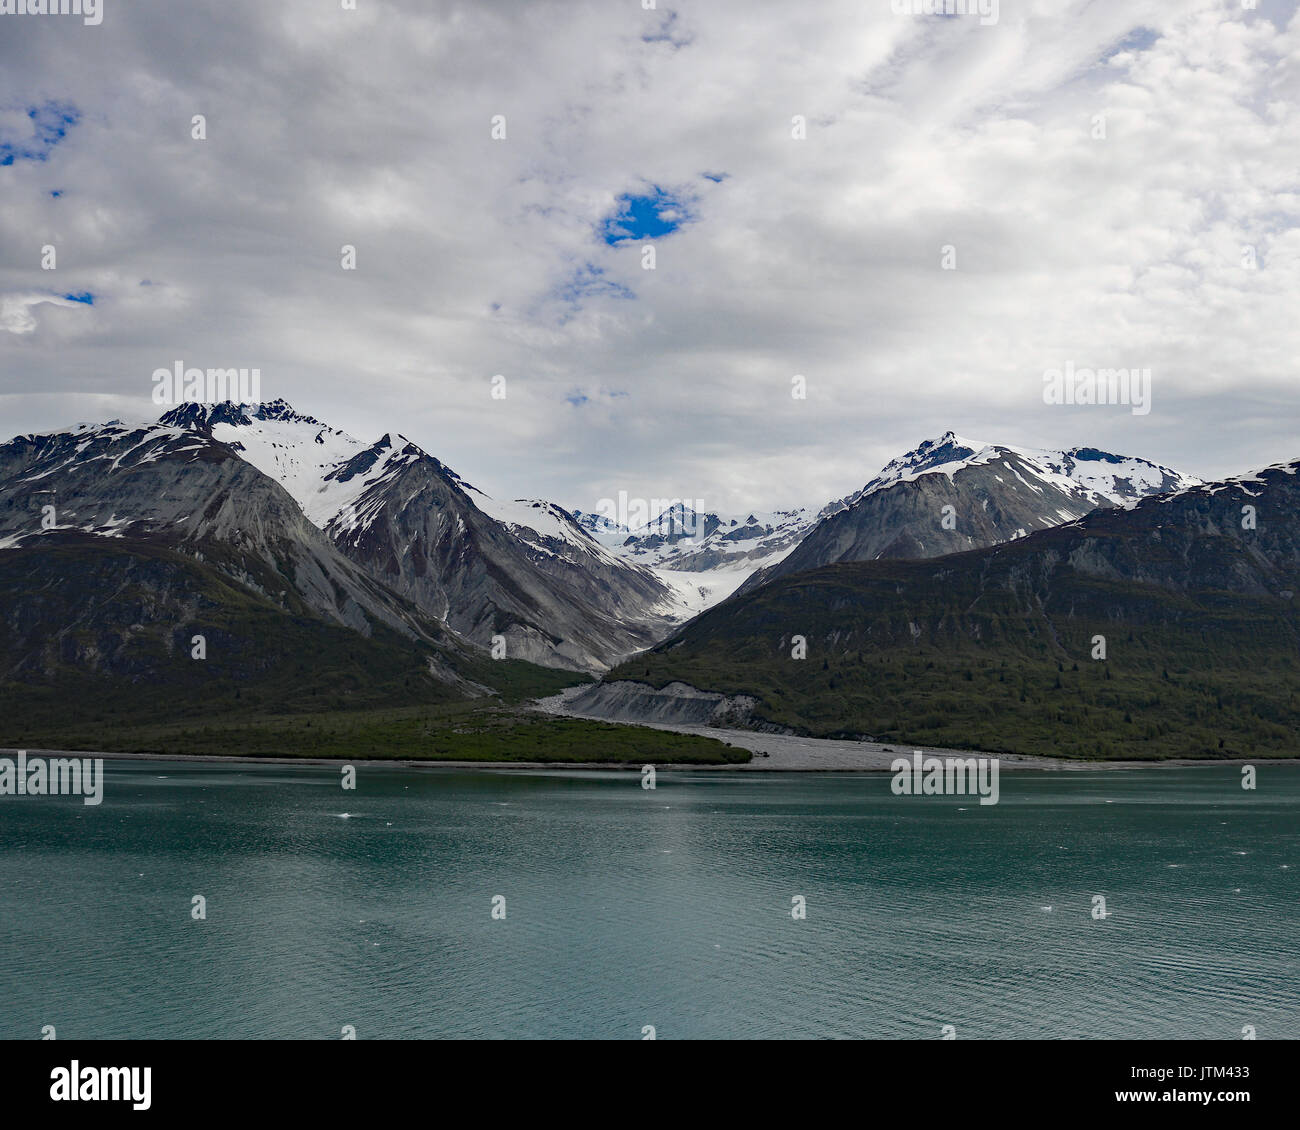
(674, 704)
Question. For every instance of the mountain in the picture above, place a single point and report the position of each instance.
(106, 632)
(997, 492)
(174, 485)
(1164, 627)
(690, 543)
(149, 572)
(702, 556)
(524, 571)
(382, 533)
(361, 533)
(952, 494)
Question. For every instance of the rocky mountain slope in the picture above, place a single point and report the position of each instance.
(175, 485)
(1170, 627)
(288, 505)
(952, 494)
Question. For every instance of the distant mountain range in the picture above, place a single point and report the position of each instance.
(1003, 492)
(1161, 627)
(369, 572)
(704, 557)
(383, 532)
(361, 533)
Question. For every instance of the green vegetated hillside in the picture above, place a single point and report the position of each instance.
(992, 649)
(486, 731)
(96, 642)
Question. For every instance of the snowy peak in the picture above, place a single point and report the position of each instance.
(949, 450)
(703, 556)
(342, 484)
(992, 493)
(325, 470)
(604, 530)
(676, 521)
(1095, 477)
(193, 414)
(545, 528)
(1122, 479)
(298, 451)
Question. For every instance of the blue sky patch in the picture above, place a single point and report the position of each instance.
(668, 32)
(1139, 39)
(81, 296)
(50, 125)
(578, 397)
(643, 216)
(589, 281)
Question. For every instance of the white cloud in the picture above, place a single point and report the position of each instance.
(818, 257)
(17, 311)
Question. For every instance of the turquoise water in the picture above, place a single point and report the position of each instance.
(671, 908)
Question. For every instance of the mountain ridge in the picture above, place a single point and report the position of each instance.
(951, 494)
(1168, 627)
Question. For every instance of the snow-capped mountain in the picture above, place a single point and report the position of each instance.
(703, 557)
(523, 570)
(1095, 476)
(383, 533)
(384, 516)
(951, 494)
(174, 485)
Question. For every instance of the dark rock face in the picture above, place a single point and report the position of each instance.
(178, 487)
(556, 600)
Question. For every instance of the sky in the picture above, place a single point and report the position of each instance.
(918, 216)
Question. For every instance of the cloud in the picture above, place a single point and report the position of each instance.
(16, 310)
(1102, 172)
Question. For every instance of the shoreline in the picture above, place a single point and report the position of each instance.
(792, 753)
(1006, 763)
(770, 753)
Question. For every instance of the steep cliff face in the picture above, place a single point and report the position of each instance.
(528, 574)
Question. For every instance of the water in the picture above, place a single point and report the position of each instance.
(671, 908)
